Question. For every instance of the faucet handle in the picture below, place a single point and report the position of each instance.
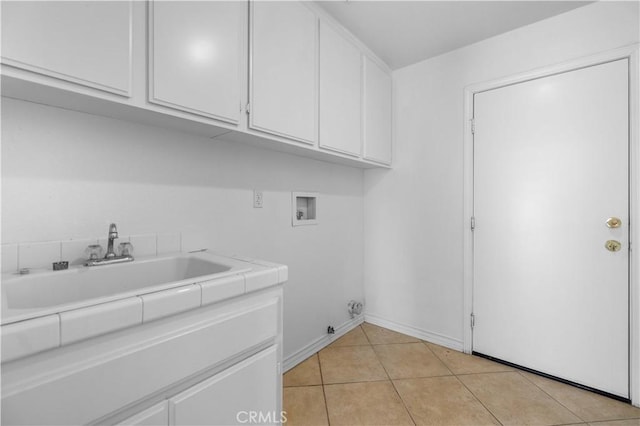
(125, 249)
(94, 251)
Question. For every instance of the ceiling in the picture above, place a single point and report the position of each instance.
(405, 32)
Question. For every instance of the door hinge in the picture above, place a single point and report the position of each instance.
(248, 109)
(473, 126)
(473, 320)
(473, 223)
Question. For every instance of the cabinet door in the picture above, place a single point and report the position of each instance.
(84, 42)
(195, 56)
(340, 93)
(235, 396)
(158, 415)
(377, 113)
(283, 82)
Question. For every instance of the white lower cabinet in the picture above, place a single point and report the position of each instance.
(218, 364)
(158, 415)
(244, 393)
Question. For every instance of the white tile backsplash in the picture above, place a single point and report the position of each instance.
(38, 255)
(9, 258)
(104, 242)
(192, 241)
(144, 245)
(168, 243)
(75, 251)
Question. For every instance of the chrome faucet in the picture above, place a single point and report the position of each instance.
(113, 234)
(111, 257)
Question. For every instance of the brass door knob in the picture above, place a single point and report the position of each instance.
(614, 222)
(613, 245)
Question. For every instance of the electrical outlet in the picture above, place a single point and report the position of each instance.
(257, 199)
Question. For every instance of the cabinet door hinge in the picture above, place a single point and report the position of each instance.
(473, 126)
(473, 223)
(473, 320)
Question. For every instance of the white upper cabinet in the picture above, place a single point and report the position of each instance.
(340, 93)
(84, 42)
(377, 113)
(283, 82)
(196, 56)
(280, 74)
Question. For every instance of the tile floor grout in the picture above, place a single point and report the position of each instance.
(404, 404)
(467, 388)
(431, 350)
(551, 396)
(324, 393)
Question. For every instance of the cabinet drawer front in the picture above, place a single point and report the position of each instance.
(82, 390)
(158, 415)
(85, 42)
(232, 396)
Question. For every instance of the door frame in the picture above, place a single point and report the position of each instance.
(632, 53)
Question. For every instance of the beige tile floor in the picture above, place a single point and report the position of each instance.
(375, 376)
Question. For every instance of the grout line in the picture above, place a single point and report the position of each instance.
(324, 393)
(487, 372)
(404, 404)
(301, 386)
(394, 343)
(423, 377)
(546, 393)
(365, 333)
(438, 358)
(359, 381)
(478, 399)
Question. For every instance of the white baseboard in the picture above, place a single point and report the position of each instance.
(418, 333)
(319, 343)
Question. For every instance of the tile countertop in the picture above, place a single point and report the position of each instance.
(28, 331)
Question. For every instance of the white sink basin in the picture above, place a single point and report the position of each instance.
(74, 287)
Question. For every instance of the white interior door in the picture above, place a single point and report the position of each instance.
(550, 167)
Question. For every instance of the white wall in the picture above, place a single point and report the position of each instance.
(68, 175)
(414, 213)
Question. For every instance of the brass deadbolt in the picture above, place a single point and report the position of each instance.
(613, 245)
